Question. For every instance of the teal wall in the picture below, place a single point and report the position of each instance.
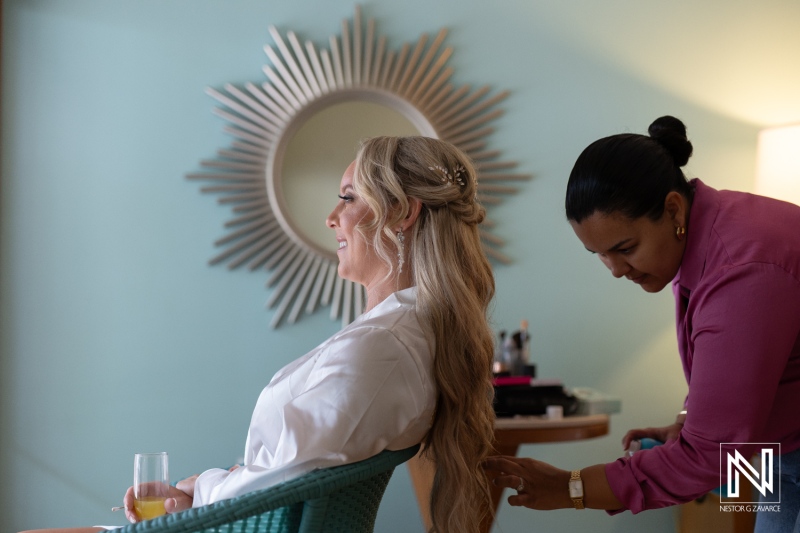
(116, 335)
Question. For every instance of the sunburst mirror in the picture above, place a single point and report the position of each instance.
(294, 134)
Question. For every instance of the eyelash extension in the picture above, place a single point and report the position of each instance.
(345, 198)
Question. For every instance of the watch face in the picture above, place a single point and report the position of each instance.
(575, 488)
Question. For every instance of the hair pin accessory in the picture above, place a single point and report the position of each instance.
(448, 178)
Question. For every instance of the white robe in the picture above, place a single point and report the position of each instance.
(366, 389)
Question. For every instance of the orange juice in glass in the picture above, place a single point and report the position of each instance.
(150, 484)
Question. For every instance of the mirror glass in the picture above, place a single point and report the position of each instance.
(317, 156)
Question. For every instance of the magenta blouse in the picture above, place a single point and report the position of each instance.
(737, 304)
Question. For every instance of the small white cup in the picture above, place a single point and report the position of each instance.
(555, 412)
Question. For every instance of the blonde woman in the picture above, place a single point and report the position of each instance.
(414, 367)
(442, 254)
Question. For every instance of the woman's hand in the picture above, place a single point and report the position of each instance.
(538, 485)
(662, 434)
(187, 487)
(178, 499)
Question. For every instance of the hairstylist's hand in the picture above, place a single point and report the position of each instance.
(663, 434)
(179, 499)
(538, 485)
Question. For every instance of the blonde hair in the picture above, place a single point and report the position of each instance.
(455, 285)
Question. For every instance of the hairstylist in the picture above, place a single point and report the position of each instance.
(734, 263)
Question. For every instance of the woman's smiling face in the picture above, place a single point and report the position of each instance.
(358, 260)
(642, 250)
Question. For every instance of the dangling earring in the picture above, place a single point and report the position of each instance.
(680, 232)
(401, 238)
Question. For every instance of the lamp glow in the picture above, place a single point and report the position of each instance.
(778, 167)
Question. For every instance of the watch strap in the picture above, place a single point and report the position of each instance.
(575, 476)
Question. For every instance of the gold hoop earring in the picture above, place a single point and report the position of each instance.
(680, 232)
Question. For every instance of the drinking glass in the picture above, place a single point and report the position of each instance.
(150, 484)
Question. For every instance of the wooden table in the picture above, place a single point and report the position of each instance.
(509, 433)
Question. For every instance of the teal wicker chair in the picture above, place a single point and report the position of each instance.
(340, 499)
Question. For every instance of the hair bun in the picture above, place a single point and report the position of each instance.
(670, 133)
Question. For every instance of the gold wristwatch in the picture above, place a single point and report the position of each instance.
(576, 489)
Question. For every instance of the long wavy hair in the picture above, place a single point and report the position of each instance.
(455, 285)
